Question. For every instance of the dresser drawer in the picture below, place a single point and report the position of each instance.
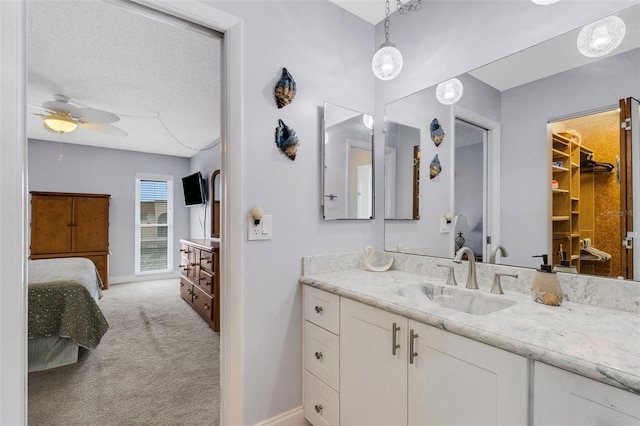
(322, 308)
(322, 354)
(321, 403)
(202, 302)
(206, 282)
(186, 289)
(207, 261)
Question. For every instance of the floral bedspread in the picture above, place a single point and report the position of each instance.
(62, 299)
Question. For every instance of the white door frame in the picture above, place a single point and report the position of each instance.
(491, 177)
(13, 215)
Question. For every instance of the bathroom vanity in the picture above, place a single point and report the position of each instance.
(389, 348)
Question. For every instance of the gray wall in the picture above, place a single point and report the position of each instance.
(109, 171)
(205, 162)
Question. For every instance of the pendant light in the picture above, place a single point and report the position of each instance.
(449, 92)
(387, 61)
(601, 37)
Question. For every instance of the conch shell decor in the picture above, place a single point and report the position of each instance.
(287, 140)
(437, 134)
(434, 168)
(285, 90)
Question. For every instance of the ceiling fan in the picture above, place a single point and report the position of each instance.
(62, 117)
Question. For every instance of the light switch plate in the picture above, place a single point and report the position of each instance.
(445, 227)
(261, 231)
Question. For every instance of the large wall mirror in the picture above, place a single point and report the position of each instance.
(216, 192)
(347, 164)
(533, 159)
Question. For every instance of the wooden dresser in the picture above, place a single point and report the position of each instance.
(200, 278)
(65, 224)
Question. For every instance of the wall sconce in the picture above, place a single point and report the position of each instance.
(448, 216)
(256, 213)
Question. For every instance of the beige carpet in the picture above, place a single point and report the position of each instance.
(158, 364)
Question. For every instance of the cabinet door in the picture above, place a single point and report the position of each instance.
(458, 381)
(373, 381)
(90, 224)
(51, 224)
(563, 398)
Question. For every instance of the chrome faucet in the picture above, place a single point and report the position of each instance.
(472, 281)
(503, 252)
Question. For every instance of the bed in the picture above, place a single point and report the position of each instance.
(63, 312)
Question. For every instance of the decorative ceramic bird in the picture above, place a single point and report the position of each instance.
(437, 134)
(285, 90)
(287, 140)
(434, 168)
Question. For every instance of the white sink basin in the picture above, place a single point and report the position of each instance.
(459, 299)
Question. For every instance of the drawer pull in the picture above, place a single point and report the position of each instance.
(190, 291)
(318, 355)
(318, 309)
(318, 408)
(206, 307)
(192, 264)
(181, 284)
(394, 338)
(195, 296)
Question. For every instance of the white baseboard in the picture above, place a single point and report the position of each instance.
(121, 279)
(293, 417)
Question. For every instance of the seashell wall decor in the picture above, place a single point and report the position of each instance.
(437, 134)
(285, 90)
(434, 168)
(287, 140)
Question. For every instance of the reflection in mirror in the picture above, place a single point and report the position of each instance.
(531, 95)
(347, 164)
(216, 191)
(401, 172)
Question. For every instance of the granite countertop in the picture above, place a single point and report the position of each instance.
(600, 343)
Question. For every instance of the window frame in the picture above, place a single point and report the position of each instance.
(138, 226)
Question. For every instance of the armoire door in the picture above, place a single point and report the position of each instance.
(90, 215)
(51, 224)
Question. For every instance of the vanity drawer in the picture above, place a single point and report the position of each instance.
(322, 354)
(206, 282)
(322, 308)
(321, 403)
(207, 261)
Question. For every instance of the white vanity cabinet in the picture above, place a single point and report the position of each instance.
(564, 398)
(395, 371)
(453, 380)
(373, 366)
(321, 352)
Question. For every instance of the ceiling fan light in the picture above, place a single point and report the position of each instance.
(59, 124)
(387, 62)
(601, 37)
(449, 92)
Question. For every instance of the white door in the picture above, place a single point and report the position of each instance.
(373, 380)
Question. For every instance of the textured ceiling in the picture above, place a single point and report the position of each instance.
(162, 79)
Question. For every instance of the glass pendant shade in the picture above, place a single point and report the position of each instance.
(545, 2)
(59, 124)
(601, 37)
(449, 92)
(387, 62)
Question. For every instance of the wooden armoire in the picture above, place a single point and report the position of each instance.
(67, 224)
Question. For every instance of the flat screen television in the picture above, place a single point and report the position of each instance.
(194, 189)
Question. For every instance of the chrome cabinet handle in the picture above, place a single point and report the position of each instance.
(318, 355)
(412, 336)
(318, 309)
(394, 338)
(318, 408)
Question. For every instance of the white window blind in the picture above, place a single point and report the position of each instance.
(154, 225)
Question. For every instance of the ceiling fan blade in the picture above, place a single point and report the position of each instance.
(105, 128)
(92, 115)
(59, 106)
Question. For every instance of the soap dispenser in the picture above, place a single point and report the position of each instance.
(565, 264)
(546, 286)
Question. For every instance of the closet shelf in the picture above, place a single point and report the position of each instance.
(560, 191)
(560, 218)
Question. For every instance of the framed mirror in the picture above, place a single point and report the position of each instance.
(216, 192)
(347, 163)
(526, 99)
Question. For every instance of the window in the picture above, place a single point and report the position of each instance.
(154, 223)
